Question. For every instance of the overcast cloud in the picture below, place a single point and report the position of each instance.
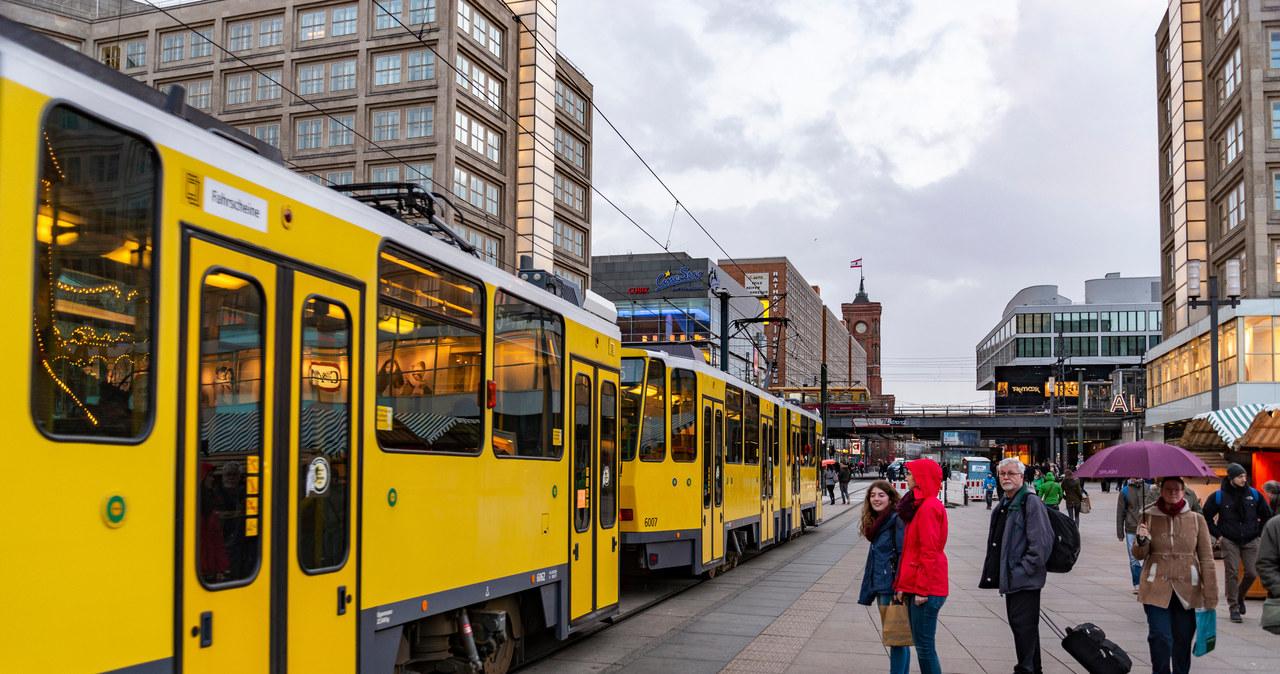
(965, 150)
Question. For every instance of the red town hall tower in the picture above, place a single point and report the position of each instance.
(863, 318)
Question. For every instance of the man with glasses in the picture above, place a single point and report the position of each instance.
(1018, 546)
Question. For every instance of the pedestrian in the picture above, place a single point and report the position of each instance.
(1128, 511)
(1019, 541)
(1106, 486)
(1050, 491)
(884, 530)
(1039, 478)
(1072, 494)
(1174, 543)
(1271, 489)
(1236, 514)
(922, 576)
(829, 481)
(1269, 557)
(989, 487)
(843, 476)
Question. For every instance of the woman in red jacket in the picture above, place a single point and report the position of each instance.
(922, 572)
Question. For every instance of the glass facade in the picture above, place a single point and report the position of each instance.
(1184, 371)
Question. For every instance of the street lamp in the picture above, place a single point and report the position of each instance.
(1232, 273)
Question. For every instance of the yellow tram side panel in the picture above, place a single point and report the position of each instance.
(459, 521)
(61, 557)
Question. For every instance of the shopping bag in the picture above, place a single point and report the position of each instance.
(895, 625)
(1206, 631)
(1084, 506)
(1271, 615)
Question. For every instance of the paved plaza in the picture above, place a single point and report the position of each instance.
(795, 609)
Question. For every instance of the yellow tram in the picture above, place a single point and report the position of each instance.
(711, 466)
(262, 427)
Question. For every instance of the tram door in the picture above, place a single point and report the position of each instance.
(593, 544)
(268, 362)
(712, 480)
(766, 479)
(795, 449)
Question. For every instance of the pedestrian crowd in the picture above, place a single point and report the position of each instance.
(1169, 535)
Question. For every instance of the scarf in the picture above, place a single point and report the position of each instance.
(907, 506)
(1170, 510)
(874, 530)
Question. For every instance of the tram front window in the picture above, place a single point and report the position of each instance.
(632, 397)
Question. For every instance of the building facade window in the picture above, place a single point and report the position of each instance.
(239, 89)
(479, 137)
(308, 134)
(480, 83)
(1231, 143)
(1230, 77)
(201, 43)
(172, 47)
(578, 279)
(311, 80)
(342, 131)
(386, 70)
(1124, 346)
(271, 32)
(1124, 321)
(568, 238)
(422, 66)
(311, 26)
(135, 54)
(418, 122)
(387, 14)
(422, 11)
(572, 104)
(573, 195)
(269, 85)
(472, 22)
(268, 133)
(1034, 347)
(386, 125)
(339, 177)
(240, 37)
(476, 191)
(198, 94)
(1032, 323)
(344, 21)
(1273, 39)
(342, 75)
(572, 149)
(1227, 15)
(419, 173)
(490, 249)
(1075, 321)
(1275, 191)
(1231, 210)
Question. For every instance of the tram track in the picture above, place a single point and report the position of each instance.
(636, 606)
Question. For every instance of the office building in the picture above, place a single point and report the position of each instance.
(468, 98)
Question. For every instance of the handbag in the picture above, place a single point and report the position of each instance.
(1206, 631)
(1085, 507)
(1271, 615)
(895, 626)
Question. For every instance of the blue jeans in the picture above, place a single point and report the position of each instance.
(924, 624)
(899, 656)
(1170, 634)
(1135, 565)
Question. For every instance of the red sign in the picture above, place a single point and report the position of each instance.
(637, 291)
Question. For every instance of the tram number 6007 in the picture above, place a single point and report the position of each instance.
(650, 522)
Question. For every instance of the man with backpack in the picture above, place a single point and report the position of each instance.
(1128, 511)
(1235, 515)
(1019, 544)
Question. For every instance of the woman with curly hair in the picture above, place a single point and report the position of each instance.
(883, 529)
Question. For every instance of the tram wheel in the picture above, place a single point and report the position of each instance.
(711, 572)
(500, 661)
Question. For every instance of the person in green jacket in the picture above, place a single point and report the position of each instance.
(1050, 491)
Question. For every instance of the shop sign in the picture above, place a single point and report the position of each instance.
(668, 279)
(1025, 389)
(638, 291)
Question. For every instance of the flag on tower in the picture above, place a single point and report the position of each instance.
(855, 264)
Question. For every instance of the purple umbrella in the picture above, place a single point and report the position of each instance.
(1144, 459)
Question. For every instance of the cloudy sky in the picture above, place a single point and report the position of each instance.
(963, 149)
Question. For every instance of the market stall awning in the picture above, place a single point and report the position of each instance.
(1230, 424)
(1264, 432)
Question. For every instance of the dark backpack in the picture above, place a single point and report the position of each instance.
(1066, 541)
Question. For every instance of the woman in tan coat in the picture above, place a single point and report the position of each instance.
(1178, 575)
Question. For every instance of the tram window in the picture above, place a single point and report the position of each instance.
(528, 345)
(94, 229)
(632, 404)
(707, 457)
(430, 356)
(719, 462)
(324, 436)
(229, 487)
(751, 429)
(733, 424)
(684, 416)
(653, 426)
(608, 452)
(582, 452)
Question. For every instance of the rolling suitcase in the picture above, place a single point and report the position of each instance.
(1088, 644)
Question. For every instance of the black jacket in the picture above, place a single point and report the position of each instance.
(1017, 561)
(1236, 514)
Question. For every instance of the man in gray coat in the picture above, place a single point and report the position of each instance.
(1269, 561)
(1018, 547)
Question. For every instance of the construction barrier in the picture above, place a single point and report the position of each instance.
(901, 486)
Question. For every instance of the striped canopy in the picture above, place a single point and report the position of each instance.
(1231, 423)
